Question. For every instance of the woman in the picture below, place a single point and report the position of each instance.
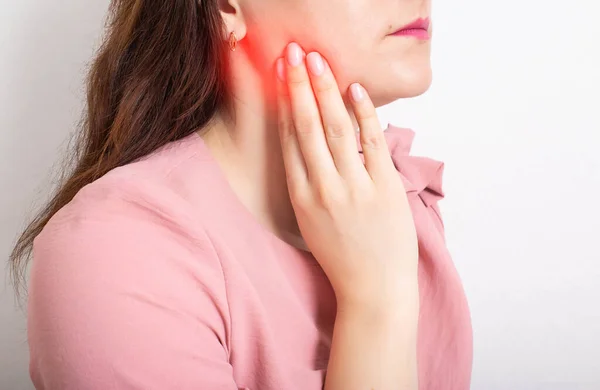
(225, 228)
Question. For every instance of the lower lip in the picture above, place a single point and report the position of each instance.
(413, 32)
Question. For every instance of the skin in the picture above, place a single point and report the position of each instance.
(358, 49)
(291, 157)
(356, 219)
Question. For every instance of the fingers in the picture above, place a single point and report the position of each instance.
(337, 125)
(316, 132)
(297, 175)
(307, 118)
(378, 160)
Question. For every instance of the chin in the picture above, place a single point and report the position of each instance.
(411, 82)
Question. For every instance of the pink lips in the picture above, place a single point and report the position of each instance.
(418, 29)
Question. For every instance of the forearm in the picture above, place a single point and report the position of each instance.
(374, 346)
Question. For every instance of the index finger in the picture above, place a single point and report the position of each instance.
(307, 119)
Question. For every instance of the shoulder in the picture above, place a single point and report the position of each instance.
(151, 189)
(138, 215)
(127, 267)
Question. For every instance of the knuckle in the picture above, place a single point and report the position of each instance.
(286, 138)
(326, 87)
(300, 197)
(298, 81)
(330, 197)
(335, 130)
(373, 140)
(284, 124)
(286, 130)
(306, 124)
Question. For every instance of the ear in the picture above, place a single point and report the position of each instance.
(233, 19)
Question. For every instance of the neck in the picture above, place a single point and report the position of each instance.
(250, 157)
(246, 145)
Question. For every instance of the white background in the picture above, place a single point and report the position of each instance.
(514, 113)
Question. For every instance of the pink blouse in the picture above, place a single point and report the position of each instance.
(157, 277)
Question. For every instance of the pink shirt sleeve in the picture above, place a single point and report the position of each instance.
(122, 299)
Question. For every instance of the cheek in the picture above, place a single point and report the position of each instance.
(348, 63)
(272, 24)
(264, 45)
(350, 54)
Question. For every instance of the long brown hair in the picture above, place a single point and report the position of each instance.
(158, 76)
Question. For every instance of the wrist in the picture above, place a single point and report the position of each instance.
(401, 304)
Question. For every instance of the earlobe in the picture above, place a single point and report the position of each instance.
(232, 41)
(233, 21)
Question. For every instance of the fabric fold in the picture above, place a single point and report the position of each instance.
(422, 175)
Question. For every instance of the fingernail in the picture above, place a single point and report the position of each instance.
(294, 54)
(315, 63)
(280, 69)
(357, 92)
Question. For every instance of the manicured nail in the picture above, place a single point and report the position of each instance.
(294, 54)
(358, 93)
(315, 63)
(280, 69)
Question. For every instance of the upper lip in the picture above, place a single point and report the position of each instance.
(421, 23)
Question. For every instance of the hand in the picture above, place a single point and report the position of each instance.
(354, 217)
